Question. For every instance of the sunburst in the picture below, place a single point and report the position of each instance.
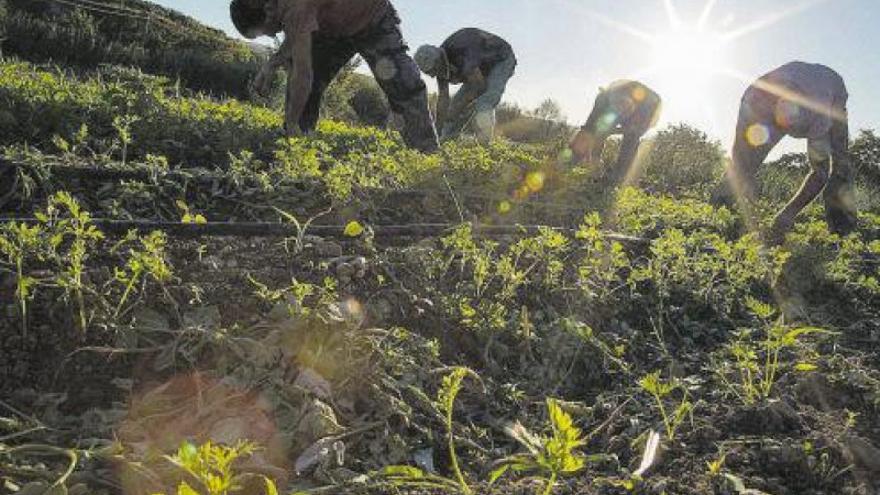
(688, 54)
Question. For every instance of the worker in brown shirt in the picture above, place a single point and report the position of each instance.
(320, 37)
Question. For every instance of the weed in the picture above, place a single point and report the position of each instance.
(659, 390)
(756, 358)
(83, 238)
(445, 403)
(714, 467)
(146, 260)
(123, 124)
(550, 457)
(18, 241)
(210, 468)
(188, 216)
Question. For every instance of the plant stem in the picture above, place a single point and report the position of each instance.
(22, 299)
(666, 422)
(452, 457)
(128, 288)
(550, 483)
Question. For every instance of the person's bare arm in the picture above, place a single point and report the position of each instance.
(283, 55)
(281, 58)
(299, 84)
(474, 85)
(442, 102)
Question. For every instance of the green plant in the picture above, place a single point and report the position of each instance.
(756, 358)
(445, 404)
(18, 241)
(146, 260)
(603, 261)
(682, 159)
(83, 236)
(660, 390)
(122, 124)
(551, 457)
(210, 468)
(302, 298)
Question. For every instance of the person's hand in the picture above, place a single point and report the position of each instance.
(262, 84)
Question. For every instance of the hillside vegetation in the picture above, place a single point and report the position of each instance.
(485, 320)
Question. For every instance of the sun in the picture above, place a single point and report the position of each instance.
(689, 56)
(684, 59)
(685, 62)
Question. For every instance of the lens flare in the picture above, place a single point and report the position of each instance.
(787, 114)
(606, 122)
(639, 94)
(757, 135)
(535, 181)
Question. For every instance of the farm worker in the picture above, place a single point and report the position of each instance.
(482, 63)
(806, 101)
(627, 108)
(320, 37)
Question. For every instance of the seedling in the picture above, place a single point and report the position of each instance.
(17, 242)
(550, 457)
(660, 389)
(416, 478)
(83, 237)
(757, 360)
(210, 468)
(148, 260)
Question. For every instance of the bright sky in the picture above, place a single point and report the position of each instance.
(568, 48)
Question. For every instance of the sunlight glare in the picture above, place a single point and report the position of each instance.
(687, 54)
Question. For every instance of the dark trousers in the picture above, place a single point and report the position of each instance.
(383, 48)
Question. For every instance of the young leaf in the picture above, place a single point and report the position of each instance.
(805, 367)
(271, 489)
(498, 473)
(354, 229)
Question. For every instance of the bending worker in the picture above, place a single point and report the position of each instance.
(482, 63)
(320, 37)
(806, 101)
(627, 108)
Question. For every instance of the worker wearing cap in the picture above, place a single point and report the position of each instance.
(482, 63)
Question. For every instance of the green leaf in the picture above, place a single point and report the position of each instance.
(498, 473)
(185, 489)
(805, 367)
(409, 472)
(271, 489)
(353, 229)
